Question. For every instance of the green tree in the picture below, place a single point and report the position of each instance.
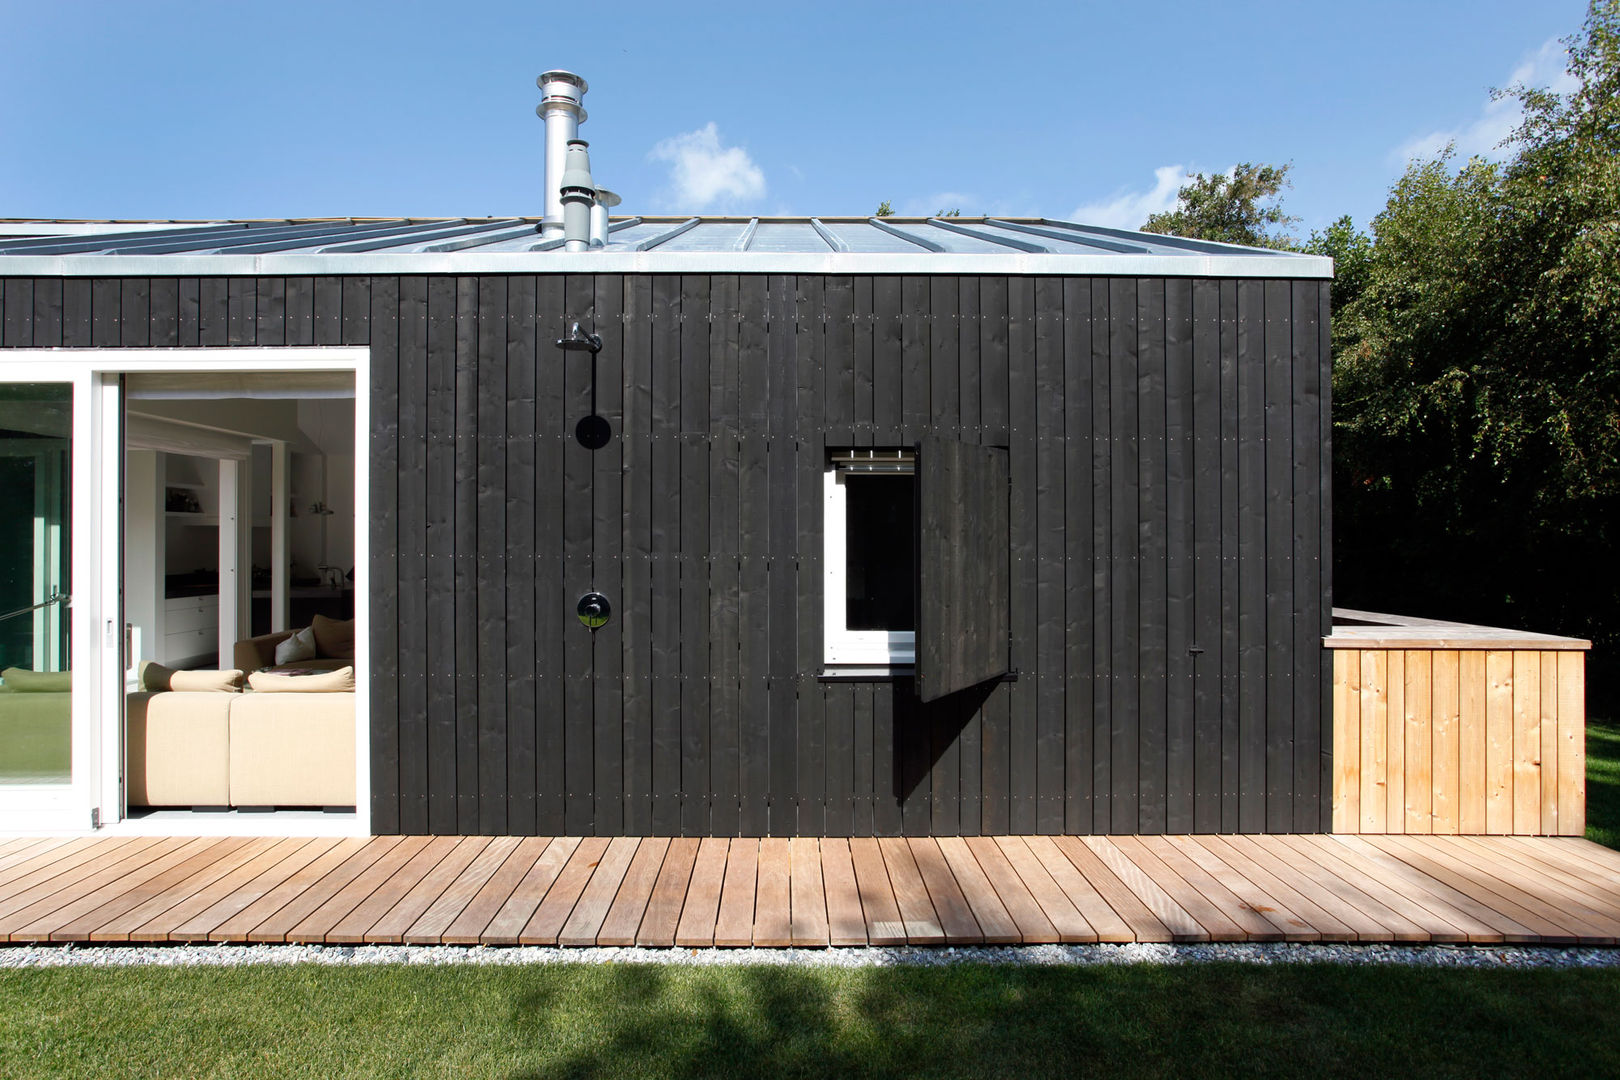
(1243, 208)
(1477, 373)
(884, 209)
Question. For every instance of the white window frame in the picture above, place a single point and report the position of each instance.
(843, 646)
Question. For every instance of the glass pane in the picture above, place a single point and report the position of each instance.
(36, 425)
(881, 575)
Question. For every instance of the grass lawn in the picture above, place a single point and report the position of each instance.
(1603, 782)
(633, 1021)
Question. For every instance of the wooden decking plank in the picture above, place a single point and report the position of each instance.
(185, 899)
(278, 926)
(506, 928)
(1326, 852)
(917, 916)
(1370, 920)
(472, 921)
(809, 893)
(198, 917)
(1606, 884)
(1423, 879)
(423, 854)
(1585, 850)
(1203, 899)
(318, 924)
(1506, 892)
(555, 910)
(28, 850)
(1321, 921)
(595, 900)
(1097, 912)
(75, 921)
(1071, 926)
(969, 909)
(460, 854)
(1033, 925)
(429, 928)
(1599, 901)
(635, 893)
(735, 927)
(57, 871)
(172, 886)
(700, 913)
(773, 894)
(1250, 895)
(1176, 920)
(58, 892)
(1112, 890)
(663, 917)
(878, 904)
(846, 924)
(288, 890)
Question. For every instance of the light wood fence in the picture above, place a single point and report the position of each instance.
(1446, 728)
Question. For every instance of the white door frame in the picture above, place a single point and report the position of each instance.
(97, 634)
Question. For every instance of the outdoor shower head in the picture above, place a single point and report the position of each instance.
(580, 341)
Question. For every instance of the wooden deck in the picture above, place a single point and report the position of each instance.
(810, 892)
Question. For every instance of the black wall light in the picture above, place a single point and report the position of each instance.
(593, 431)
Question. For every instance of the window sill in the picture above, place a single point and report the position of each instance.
(866, 672)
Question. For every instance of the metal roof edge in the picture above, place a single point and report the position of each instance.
(669, 262)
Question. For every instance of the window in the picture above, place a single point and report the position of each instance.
(871, 557)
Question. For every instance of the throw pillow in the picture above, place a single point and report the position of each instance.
(23, 681)
(340, 681)
(333, 638)
(155, 676)
(300, 646)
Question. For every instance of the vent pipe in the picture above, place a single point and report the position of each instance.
(577, 192)
(561, 109)
(599, 216)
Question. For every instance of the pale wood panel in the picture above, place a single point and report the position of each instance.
(1549, 743)
(1395, 775)
(1374, 738)
(1445, 688)
(1571, 744)
(1419, 699)
(1498, 742)
(1471, 736)
(1346, 740)
(1526, 742)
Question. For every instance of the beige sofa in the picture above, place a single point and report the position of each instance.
(334, 645)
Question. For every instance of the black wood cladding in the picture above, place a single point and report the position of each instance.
(1169, 518)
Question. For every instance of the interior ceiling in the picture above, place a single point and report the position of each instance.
(261, 385)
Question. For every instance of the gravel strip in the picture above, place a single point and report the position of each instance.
(1456, 956)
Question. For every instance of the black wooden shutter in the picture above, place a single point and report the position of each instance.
(962, 573)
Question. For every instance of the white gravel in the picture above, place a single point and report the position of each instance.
(1471, 956)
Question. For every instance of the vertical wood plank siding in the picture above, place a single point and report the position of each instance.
(1169, 546)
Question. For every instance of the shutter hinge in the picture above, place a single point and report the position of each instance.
(95, 817)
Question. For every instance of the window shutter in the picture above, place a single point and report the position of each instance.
(962, 566)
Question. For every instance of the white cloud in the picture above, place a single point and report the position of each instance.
(704, 174)
(1496, 120)
(1130, 209)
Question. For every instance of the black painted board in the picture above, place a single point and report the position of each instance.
(725, 545)
(636, 603)
(839, 345)
(666, 548)
(76, 313)
(271, 312)
(579, 652)
(782, 400)
(1306, 495)
(328, 311)
(693, 450)
(1324, 432)
(1207, 596)
(969, 756)
(753, 739)
(465, 530)
(913, 743)
(490, 551)
(242, 319)
(48, 313)
(383, 541)
(1102, 540)
(968, 359)
(165, 312)
(944, 346)
(439, 505)
(522, 359)
(863, 338)
(1050, 523)
(888, 791)
(1279, 559)
(412, 566)
(213, 312)
(994, 414)
(888, 361)
(189, 313)
(862, 783)
(995, 758)
(135, 315)
(916, 409)
(838, 712)
(106, 312)
(809, 463)
(607, 549)
(1125, 547)
(1023, 576)
(941, 721)
(1152, 556)
(18, 320)
(556, 638)
(1251, 541)
(1179, 746)
(300, 311)
(1231, 578)
(356, 310)
(1078, 657)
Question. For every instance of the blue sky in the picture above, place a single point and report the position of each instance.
(225, 109)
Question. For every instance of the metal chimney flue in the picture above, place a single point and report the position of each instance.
(578, 194)
(599, 216)
(561, 109)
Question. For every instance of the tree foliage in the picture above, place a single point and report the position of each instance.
(884, 209)
(1477, 372)
(1244, 207)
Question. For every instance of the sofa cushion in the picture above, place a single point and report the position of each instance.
(155, 676)
(299, 646)
(340, 681)
(292, 752)
(178, 748)
(23, 681)
(334, 638)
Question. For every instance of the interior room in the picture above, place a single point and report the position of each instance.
(239, 591)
